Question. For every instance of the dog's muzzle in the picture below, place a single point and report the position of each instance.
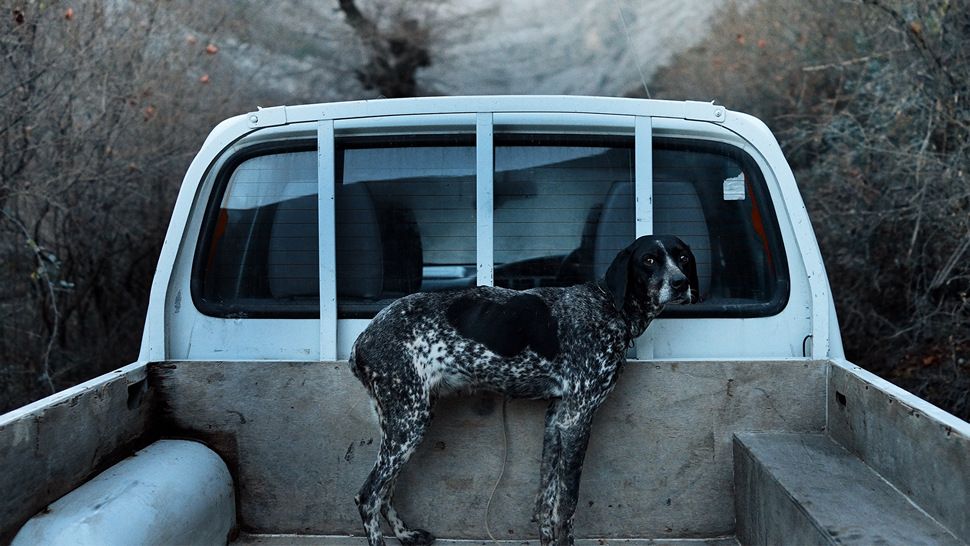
(682, 291)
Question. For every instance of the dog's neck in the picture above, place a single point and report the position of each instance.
(636, 314)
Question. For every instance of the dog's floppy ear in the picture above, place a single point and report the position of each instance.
(695, 286)
(617, 277)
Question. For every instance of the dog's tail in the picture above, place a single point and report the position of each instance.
(356, 367)
(360, 367)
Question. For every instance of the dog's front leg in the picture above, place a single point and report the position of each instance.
(550, 453)
(571, 424)
(572, 454)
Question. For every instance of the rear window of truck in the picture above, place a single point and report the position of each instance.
(405, 211)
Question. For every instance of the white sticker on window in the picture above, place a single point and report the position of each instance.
(734, 188)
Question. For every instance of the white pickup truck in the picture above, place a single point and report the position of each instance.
(737, 420)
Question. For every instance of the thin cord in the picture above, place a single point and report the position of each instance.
(505, 458)
(636, 54)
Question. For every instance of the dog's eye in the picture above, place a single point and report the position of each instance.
(684, 258)
(649, 261)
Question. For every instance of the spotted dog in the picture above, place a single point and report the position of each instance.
(563, 344)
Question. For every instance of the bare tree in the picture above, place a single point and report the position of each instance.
(101, 106)
(393, 55)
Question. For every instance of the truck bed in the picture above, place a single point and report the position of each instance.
(659, 463)
(662, 466)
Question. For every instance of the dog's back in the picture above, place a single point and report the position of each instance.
(516, 343)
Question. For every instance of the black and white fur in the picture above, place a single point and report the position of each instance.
(563, 344)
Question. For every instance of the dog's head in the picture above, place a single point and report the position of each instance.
(654, 270)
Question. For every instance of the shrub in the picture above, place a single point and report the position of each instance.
(869, 101)
(101, 107)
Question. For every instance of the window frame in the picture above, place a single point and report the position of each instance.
(495, 134)
(776, 247)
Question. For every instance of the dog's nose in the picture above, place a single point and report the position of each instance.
(679, 284)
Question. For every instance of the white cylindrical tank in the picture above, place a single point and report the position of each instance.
(171, 492)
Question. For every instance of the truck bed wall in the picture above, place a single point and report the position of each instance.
(50, 447)
(923, 451)
(301, 437)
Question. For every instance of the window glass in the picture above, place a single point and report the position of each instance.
(562, 208)
(405, 214)
(714, 198)
(262, 248)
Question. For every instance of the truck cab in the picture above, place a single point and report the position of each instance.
(306, 221)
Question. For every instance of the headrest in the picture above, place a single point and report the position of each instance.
(360, 257)
(291, 262)
(617, 226)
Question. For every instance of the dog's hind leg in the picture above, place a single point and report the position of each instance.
(403, 419)
(407, 536)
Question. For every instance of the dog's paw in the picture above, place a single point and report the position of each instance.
(416, 537)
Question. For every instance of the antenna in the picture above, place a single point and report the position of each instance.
(629, 42)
